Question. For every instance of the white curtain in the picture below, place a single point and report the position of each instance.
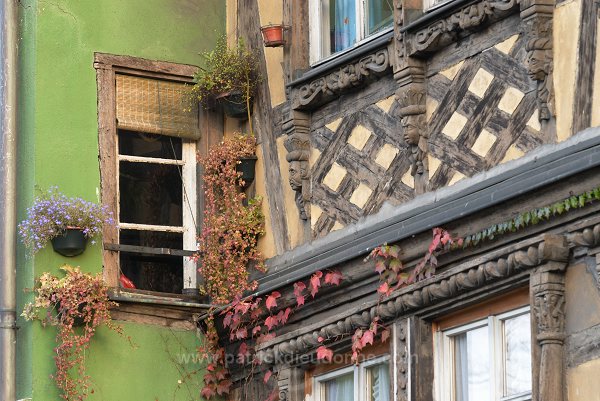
(340, 388)
(380, 390)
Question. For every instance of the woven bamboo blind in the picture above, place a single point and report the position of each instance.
(156, 107)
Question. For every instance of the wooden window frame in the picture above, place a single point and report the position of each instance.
(107, 67)
(488, 314)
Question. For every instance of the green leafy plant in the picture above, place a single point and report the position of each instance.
(78, 298)
(227, 70)
(232, 224)
(53, 212)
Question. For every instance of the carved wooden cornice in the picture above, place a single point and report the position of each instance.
(446, 30)
(445, 287)
(332, 84)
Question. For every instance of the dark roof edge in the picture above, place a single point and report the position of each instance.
(543, 166)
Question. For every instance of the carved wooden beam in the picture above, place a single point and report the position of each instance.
(548, 305)
(459, 23)
(538, 15)
(297, 129)
(409, 72)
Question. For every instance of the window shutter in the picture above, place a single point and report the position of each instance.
(156, 107)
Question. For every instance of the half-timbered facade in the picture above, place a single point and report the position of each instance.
(471, 115)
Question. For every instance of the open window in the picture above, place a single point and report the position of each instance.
(343, 24)
(148, 132)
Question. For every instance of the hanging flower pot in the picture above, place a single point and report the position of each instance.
(71, 243)
(234, 104)
(246, 167)
(273, 35)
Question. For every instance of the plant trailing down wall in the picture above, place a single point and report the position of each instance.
(230, 77)
(232, 224)
(77, 299)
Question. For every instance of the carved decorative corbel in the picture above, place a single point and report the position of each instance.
(537, 15)
(297, 128)
(548, 303)
(409, 72)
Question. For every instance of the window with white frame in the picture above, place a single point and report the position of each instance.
(433, 4)
(148, 133)
(342, 24)
(368, 381)
(485, 360)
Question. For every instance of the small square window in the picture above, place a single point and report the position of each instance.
(343, 24)
(486, 360)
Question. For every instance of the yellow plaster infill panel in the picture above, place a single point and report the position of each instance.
(456, 178)
(273, 55)
(361, 195)
(507, 45)
(359, 137)
(337, 226)
(566, 34)
(583, 383)
(481, 81)
(295, 229)
(408, 179)
(266, 244)
(510, 100)
(534, 121)
(431, 106)
(333, 126)
(386, 155)
(596, 96)
(433, 164)
(484, 143)
(335, 176)
(451, 72)
(315, 213)
(454, 126)
(386, 104)
(314, 156)
(512, 153)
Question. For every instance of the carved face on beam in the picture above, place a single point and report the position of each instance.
(297, 170)
(413, 125)
(539, 58)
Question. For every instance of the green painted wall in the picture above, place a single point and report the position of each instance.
(58, 145)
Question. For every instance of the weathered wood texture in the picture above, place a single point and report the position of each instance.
(333, 128)
(296, 50)
(421, 359)
(586, 66)
(249, 29)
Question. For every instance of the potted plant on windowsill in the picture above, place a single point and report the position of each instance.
(77, 299)
(66, 222)
(230, 78)
(232, 223)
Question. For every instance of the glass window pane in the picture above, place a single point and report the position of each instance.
(161, 273)
(380, 14)
(378, 382)
(339, 31)
(472, 365)
(133, 143)
(339, 389)
(517, 336)
(150, 194)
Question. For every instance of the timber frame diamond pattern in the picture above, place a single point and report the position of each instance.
(484, 73)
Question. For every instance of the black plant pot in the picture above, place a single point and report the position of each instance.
(234, 105)
(77, 321)
(71, 243)
(246, 167)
